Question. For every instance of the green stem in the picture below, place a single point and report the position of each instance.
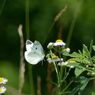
(56, 71)
(55, 68)
(27, 18)
(31, 81)
(77, 11)
(61, 69)
(70, 32)
(90, 49)
(58, 78)
(61, 72)
(67, 86)
(66, 75)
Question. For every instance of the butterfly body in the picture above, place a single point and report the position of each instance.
(34, 52)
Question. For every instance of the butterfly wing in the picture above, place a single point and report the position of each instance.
(29, 45)
(38, 48)
(34, 53)
(32, 57)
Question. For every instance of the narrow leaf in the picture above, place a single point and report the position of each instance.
(91, 44)
(85, 51)
(79, 71)
(84, 81)
(94, 47)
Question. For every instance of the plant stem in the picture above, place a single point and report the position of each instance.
(31, 81)
(27, 18)
(67, 86)
(58, 79)
(77, 11)
(56, 71)
(22, 64)
(27, 37)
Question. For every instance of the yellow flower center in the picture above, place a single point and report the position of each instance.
(1, 79)
(59, 40)
(54, 57)
(72, 61)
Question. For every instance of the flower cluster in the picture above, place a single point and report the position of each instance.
(2, 82)
(63, 61)
(56, 52)
(57, 43)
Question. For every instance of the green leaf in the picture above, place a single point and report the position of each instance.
(85, 51)
(80, 52)
(79, 71)
(91, 44)
(66, 54)
(93, 47)
(84, 81)
(93, 59)
(75, 54)
(86, 61)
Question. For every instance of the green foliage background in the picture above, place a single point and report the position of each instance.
(78, 18)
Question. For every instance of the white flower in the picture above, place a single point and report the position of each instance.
(63, 63)
(59, 43)
(67, 49)
(3, 80)
(50, 45)
(71, 66)
(54, 60)
(66, 63)
(2, 90)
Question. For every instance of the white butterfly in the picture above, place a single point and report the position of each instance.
(34, 52)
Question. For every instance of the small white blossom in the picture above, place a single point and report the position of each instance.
(2, 90)
(67, 49)
(63, 63)
(3, 80)
(50, 44)
(66, 63)
(71, 66)
(54, 60)
(59, 43)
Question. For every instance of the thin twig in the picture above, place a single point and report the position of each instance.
(22, 65)
(56, 18)
(60, 13)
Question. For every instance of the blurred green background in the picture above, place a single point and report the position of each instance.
(78, 19)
